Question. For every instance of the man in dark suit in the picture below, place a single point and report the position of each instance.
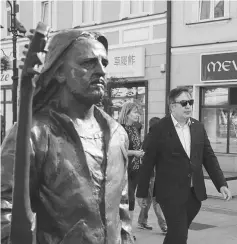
(178, 148)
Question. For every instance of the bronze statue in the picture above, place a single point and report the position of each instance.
(78, 153)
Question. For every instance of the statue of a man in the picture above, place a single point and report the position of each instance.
(78, 181)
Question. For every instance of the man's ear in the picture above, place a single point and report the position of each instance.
(171, 107)
(60, 76)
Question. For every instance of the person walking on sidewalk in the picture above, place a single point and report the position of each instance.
(128, 115)
(143, 216)
(179, 147)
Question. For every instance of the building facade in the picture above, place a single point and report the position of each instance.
(204, 58)
(136, 32)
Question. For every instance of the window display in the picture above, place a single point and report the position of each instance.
(219, 116)
(233, 130)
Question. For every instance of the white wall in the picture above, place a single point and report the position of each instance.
(183, 13)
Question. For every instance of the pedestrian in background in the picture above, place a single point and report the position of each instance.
(143, 216)
(129, 114)
(179, 147)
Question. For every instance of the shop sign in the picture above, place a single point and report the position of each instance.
(126, 62)
(219, 67)
(6, 77)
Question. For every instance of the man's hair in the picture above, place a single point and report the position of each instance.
(126, 109)
(153, 121)
(176, 92)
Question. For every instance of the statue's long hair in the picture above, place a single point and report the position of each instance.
(47, 86)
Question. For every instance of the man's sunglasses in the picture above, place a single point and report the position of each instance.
(184, 103)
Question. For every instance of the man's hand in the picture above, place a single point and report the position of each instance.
(142, 202)
(225, 193)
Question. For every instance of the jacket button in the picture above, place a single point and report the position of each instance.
(189, 175)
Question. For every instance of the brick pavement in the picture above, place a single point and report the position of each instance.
(216, 223)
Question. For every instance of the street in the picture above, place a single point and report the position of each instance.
(216, 223)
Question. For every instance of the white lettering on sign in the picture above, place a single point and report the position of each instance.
(214, 66)
(234, 64)
(6, 78)
(126, 62)
(224, 66)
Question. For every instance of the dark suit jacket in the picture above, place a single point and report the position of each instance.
(174, 169)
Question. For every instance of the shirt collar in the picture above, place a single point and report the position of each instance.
(176, 123)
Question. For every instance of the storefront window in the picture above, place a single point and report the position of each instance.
(9, 95)
(233, 130)
(219, 116)
(215, 122)
(215, 96)
(6, 110)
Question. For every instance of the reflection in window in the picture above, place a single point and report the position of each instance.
(219, 9)
(215, 122)
(233, 130)
(8, 116)
(140, 7)
(8, 18)
(219, 115)
(88, 11)
(212, 9)
(2, 109)
(8, 95)
(1, 95)
(45, 17)
(205, 9)
(134, 6)
(215, 96)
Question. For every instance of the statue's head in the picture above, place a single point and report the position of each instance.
(76, 61)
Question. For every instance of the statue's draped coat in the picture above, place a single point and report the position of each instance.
(68, 205)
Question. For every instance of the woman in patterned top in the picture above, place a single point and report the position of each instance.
(128, 116)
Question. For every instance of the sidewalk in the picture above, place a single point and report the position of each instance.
(216, 223)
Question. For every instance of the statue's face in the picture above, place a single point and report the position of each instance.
(84, 70)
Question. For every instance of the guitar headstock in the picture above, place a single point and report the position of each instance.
(34, 58)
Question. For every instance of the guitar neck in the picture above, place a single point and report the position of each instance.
(21, 213)
(22, 216)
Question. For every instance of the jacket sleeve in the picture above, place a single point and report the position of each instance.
(126, 231)
(211, 164)
(149, 160)
(7, 164)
